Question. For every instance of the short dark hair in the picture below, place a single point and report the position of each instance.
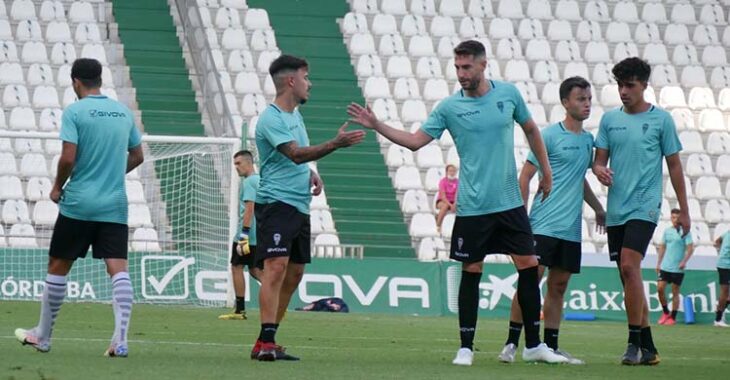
(471, 47)
(87, 71)
(567, 86)
(286, 63)
(632, 68)
(245, 154)
(676, 211)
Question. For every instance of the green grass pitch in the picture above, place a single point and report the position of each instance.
(191, 343)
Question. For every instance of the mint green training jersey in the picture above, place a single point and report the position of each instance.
(281, 179)
(247, 190)
(570, 155)
(636, 145)
(675, 247)
(483, 132)
(103, 131)
(723, 259)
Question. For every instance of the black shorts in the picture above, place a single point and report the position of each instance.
(724, 275)
(558, 253)
(634, 234)
(72, 237)
(475, 237)
(244, 260)
(282, 231)
(671, 277)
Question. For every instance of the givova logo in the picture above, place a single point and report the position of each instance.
(165, 277)
(491, 292)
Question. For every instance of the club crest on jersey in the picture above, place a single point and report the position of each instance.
(459, 243)
(644, 127)
(277, 239)
(500, 105)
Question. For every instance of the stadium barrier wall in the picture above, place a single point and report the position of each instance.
(394, 286)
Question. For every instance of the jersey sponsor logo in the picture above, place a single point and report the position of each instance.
(618, 129)
(468, 113)
(571, 148)
(102, 113)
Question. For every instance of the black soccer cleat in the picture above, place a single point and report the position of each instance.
(649, 357)
(632, 356)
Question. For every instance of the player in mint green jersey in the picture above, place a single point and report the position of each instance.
(556, 221)
(674, 252)
(635, 138)
(490, 213)
(723, 271)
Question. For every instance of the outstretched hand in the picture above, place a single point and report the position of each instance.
(347, 138)
(362, 115)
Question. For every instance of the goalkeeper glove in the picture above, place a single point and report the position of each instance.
(243, 245)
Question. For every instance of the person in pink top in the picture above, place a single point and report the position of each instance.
(446, 198)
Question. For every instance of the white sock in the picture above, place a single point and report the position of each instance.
(122, 295)
(53, 295)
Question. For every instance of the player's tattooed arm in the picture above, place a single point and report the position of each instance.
(300, 155)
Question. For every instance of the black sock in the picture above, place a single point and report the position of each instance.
(718, 315)
(551, 338)
(665, 309)
(528, 295)
(647, 341)
(515, 329)
(240, 304)
(268, 332)
(635, 335)
(674, 314)
(468, 307)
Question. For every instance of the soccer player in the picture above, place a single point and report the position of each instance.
(723, 271)
(243, 250)
(282, 202)
(490, 216)
(100, 145)
(635, 137)
(556, 221)
(674, 253)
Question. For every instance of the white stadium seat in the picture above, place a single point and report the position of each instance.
(683, 14)
(693, 76)
(22, 236)
(10, 187)
(254, 19)
(382, 24)
(22, 10)
(471, 27)
(38, 188)
(479, 8)
(711, 120)
(407, 178)
(654, 12)
(81, 11)
(675, 34)
(671, 97)
(699, 165)
(45, 213)
(625, 11)
(11, 73)
(618, 32)
(430, 248)
(530, 28)
(52, 10)
(227, 18)
(58, 31)
(691, 142)
(355, 23)
(33, 165)
(712, 14)
(720, 79)
(145, 240)
(539, 9)
(412, 25)
(450, 8)
(22, 118)
(398, 156)
(664, 75)
(415, 201)
(264, 39)
(708, 188)
(713, 56)
(701, 97)
(501, 28)
(423, 225)
(28, 30)
(365, 6)
(705, 35)
(413, 110)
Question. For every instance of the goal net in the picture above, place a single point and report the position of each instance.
(182, 213)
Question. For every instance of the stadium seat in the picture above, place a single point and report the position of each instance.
(705, 35)
(38, 188)
(718, 143)
(247, 83)
(11, 73)
(7, 164)
(618, 32)
(654, 12)
(510, 48)
(539, 9)
(385, 109)
(376, 87)
(407, 178)
(398, 156)
(45, 97)
(139, 215)
(480, 8)
(382, 24)
(435, 89)
(546, 71)
(446, 46)
(327, 245)
(671, 97)
(537, 49)
(685, 55)
(691, 142)
(450, 8)
(472, 27)
(22, 118)
(683, 14)
(517, 71)
(712, 14)
(717, 210)
(22, 10)
(356, 23)
(369, 65)
(664, 75)
(33, 165)
(708, 188)
(423, 225)
(669, 189)
(429, 249)
(50, 120)
(229, 18)
(253, 104)
(5, 32)
(81, 11)
(22, 236)
(64, 53)
(254, 19)
(609, 96)
(15, 95)
(529, 29)
(135, 191)
(559, 30)
(28, 30)
(145, 240)
(656, 54)
(38, 74)
(319, 202)
(700, 235)
(428, 67)
(58, 31)
(501, 28)
(625, 50)
(420, 46)
(413, 25)
(693, 76)
(576, 69)
(720, 79)
(430, 156)
(698, 165)
(714, 56)
(597, 52)
(625, 11)
(45, 213)
(264, 39)
(720, 230)
(700, 98)
(52, 10)
(415, 201)
(365, 6)
(711, 120)
(391, 44)
(675, 34)
(321, 221)
(588, 31)
(550, 93)
(234, 38)
(26, 145)
(596, 11)
(10, 187)
(413, 110)
(433, 176)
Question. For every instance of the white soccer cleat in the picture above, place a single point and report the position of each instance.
(28, 337)
(720, 324)
(542, 353)
(464, 356)
(508, 353)
(571, 358)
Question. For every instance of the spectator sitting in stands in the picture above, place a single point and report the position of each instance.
(446, 197)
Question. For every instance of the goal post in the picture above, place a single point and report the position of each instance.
(183, 209)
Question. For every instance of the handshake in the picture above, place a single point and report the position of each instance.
(243, 247)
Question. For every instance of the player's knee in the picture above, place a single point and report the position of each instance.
(628, 271)
(558, 288)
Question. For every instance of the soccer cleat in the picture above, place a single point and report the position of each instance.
(117, 351)
(631, 356)
(720, 323)
(508, 353)
(670, 322)
(663, 319)
(649, 357)
(255, 350)
(464, 356)
(26, 337)
(571, 358)
(233, 316)
(270, 352)
(542, 353)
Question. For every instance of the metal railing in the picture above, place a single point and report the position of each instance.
(211, 88)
